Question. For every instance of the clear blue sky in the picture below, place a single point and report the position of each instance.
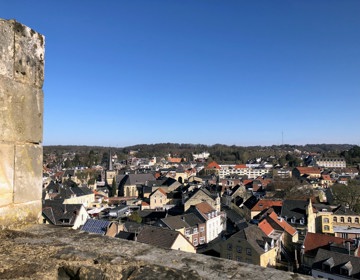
(119, 73)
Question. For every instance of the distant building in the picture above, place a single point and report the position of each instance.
(331, 162)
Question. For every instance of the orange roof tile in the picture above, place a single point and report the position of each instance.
(240, 166)
(309, 170)
(145, 203)
(213, 165)
(265, 204)
(284, 224)
(266, 227)
(174, 160)
(204, 207)
(316, 240)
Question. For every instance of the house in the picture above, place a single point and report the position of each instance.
(65, 215)
(334, 265)
(101, 227)
(130, 183)
(313, 242)
(250, 245)
(263, 205)
(309, 172)
(120, 211)
(215, 221)
(272, 224)
(165, 238)
(300, 215)
(331, 162)
(342, 220)
(158, 199)
(69, 193)
(200, 195)
(212, 168)
(189, 225)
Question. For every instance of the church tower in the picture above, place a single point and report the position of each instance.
(110, 172)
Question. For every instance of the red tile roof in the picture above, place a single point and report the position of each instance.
(309, 170)
(265, 204)
(204, 207)
(174, 160)
(266, 227)
(213, 165)
(284, 224)
(240, 166)
(316, 240)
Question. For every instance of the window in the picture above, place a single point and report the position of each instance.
(195, 242)
(326, 220)
(238, 249)
(229, 257)
(238, 258)
(187, 232)
(202, 229)
(326, 228)
(342, 220)
(357, 220)
(349, 220)
(202, 240)
(229, 246)
(195, 230)
(335, 219)
(248, 251)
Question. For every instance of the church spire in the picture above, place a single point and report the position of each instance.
(110, 162)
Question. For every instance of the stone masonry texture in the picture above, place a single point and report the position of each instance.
(21, 123)
(50, 252)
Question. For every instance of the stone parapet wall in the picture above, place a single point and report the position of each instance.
(50, 252)
(21, 123)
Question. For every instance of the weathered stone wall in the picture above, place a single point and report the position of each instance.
(50, 252)
(21, 123)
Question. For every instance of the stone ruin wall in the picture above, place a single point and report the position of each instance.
(21, 123)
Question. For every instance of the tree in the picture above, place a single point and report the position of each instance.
(113, 190)
(135, 217)
(348, 195)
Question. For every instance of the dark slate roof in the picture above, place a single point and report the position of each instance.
(126, 235)
(168, 182)
(96, 226)
(342, 210)
(294, 208)
(255, 236)
(250, 202)
(157, 236)
(152, 214)
(181, 221)
(338, 261)
(60, 214)
(139, 179)
(233, 216)
(175, 222)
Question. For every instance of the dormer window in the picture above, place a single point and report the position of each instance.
(346, 269)
(328, 264)
(302, 221)
(293, 220)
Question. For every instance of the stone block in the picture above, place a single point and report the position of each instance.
(6, 48)
(6, 174)
(21, 112)
(29, 55)
(20, 215)
(28, 173)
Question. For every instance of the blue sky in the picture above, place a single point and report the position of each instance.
(119, 73)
